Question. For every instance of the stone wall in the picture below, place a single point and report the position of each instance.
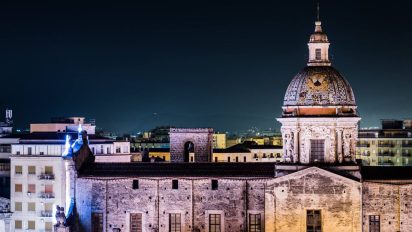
(202, 139)
(289, 197)
(392, 202)
(155, 199)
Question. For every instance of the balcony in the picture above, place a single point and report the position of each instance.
(407, 145)
(46, 176)
(386, 154)
(363, 145)
(406, 154)
(45, 195)
(386, 145)
(46, 213)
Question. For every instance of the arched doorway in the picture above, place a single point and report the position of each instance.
(189, 147)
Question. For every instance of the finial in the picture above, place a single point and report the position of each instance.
(318, 18)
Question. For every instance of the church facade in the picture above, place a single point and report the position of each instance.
(319, 187)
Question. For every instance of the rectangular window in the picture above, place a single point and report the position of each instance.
(317, 150)
(31, 188)
(255, 223)
(48, 170)
(244, 159)
(18, 225)
(18, 170)
(175, 184)
(215, 185)
(29, 150)
(48, 188)
(18, 206)
(374, 223)
(48, 207)
(32, 170)
(31, 225)
(174, 222)
(313, 221)
(228, 159)
(318, 54)
(97, 222)
(48, 226)
(214, 223)
(18, 188)
(31, 207)
(135, 184)
(135, 222)
(215, 159)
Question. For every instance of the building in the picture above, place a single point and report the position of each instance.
(389, 145)
(37, 172)
(6, 127)
(219, 140)
(318, 186)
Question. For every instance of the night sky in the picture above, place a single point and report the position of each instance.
(221, 64)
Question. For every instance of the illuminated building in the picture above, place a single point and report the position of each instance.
(390, 145)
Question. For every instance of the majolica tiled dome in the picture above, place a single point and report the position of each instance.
(319, 86)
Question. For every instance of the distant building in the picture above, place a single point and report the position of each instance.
(219, 140)
(389, 145)
(6, 127)
(63, 124)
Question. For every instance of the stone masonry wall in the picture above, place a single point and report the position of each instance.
(202, 139)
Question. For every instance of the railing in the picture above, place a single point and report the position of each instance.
(386, 144)
(407, 145)
(406, 154)
(363, 145)
(45, 213)
(5, 149)
(386, 154)
(45, 176)
(46, 195)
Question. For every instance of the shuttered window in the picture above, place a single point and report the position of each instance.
(97, 222)
(135, 222)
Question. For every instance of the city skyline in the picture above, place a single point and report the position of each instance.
(221, 65)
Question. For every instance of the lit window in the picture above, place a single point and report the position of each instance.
(31, 225)
(18, 188)
(313, 221)
(32, 170)
(18, 170)
(31, 207)
(255, 223)
(31, 188)
(214, 222)
(374, 223)
(318, 54)
(18, 225)
(174, 222)
(18, 206)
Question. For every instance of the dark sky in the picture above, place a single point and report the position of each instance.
(223, 64)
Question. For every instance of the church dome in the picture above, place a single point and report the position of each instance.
(319, 86)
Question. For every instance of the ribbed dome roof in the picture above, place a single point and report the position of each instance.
(319, 86)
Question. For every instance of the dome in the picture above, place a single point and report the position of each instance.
(319, 86)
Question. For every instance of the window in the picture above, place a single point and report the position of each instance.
(48, 170)
(216, 159)
(97, 222)
(31, 207)
(29, 150)
(255, 223)
(31, 188)
(42, 153)
(118, 150)
(374, 223)
(244, 159)
(48, 226)
(228, 159)
(31, 225)
(32, 170)
(135, 184)
(48, 188)
(18, 188)
(191, 159)
(18, 225)
(313, 221)
(18, 170)
(48, 207)
(214, 222)
(135, 222)
(18, 206)
(175, 184)
(317, 150)
(215, 185)
(237, 159)
(174, 222)
(108, 150)
(318, 54)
